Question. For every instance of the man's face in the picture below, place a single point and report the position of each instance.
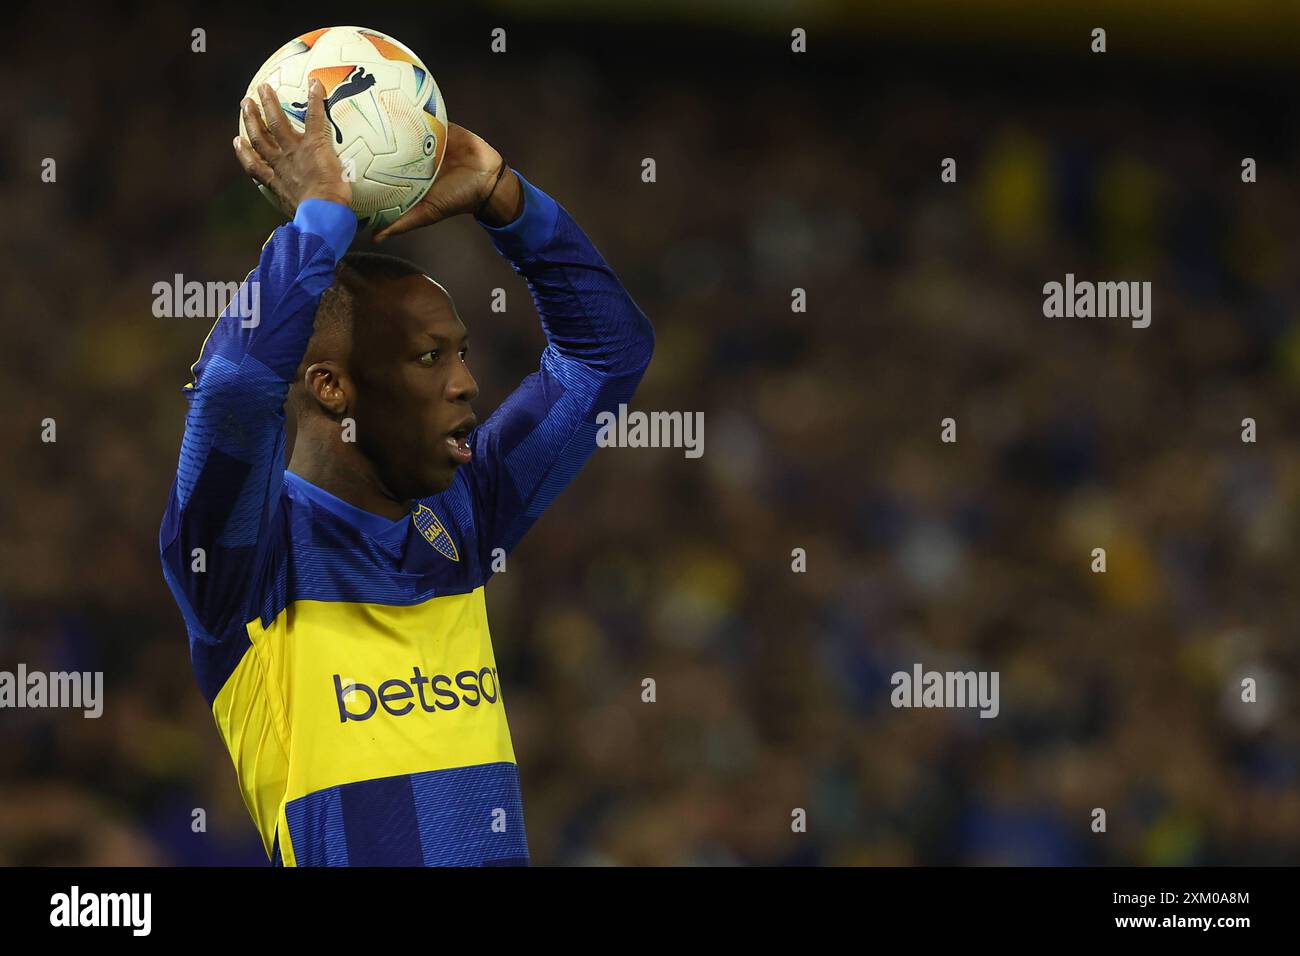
(412, 389)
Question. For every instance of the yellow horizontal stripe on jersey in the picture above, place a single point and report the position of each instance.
(419, 691)
(257, 741)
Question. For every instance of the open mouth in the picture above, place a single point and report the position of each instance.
(458, 442)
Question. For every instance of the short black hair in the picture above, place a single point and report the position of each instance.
(354, 271)
(380, 265)
(336, 310)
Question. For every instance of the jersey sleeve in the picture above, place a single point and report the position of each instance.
(229, 481)
(599, 344)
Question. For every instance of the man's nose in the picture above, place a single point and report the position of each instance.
(462, 386)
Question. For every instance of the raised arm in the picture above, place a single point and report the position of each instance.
(599, 342)
(598, 347)
(229, 480)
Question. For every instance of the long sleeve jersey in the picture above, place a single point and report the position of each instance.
(346, 656)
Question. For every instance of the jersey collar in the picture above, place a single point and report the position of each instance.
(377, 526)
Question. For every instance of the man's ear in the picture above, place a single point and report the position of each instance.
(326, 384)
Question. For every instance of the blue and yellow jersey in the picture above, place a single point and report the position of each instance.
(346, 656)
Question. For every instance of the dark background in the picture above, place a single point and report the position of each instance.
(775, 170)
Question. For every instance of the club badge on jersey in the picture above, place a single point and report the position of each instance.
(434, 532)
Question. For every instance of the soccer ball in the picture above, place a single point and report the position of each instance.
(383, 109)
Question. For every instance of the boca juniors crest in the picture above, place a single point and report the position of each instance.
(434, 532)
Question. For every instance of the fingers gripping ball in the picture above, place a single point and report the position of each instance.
(384, 110)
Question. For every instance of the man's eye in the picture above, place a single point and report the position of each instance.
(463, 353)
(428, 358)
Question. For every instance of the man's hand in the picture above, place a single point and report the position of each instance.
(294, 166)
(469, 170)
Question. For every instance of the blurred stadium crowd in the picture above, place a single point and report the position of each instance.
(1119, 691)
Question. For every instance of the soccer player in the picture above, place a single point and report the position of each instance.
(335, 609)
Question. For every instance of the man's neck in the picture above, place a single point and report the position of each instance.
(355, 485)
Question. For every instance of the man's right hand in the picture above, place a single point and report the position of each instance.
(294, 166)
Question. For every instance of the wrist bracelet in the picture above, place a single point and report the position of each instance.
(483, 205)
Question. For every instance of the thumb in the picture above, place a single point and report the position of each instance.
(421, 214)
